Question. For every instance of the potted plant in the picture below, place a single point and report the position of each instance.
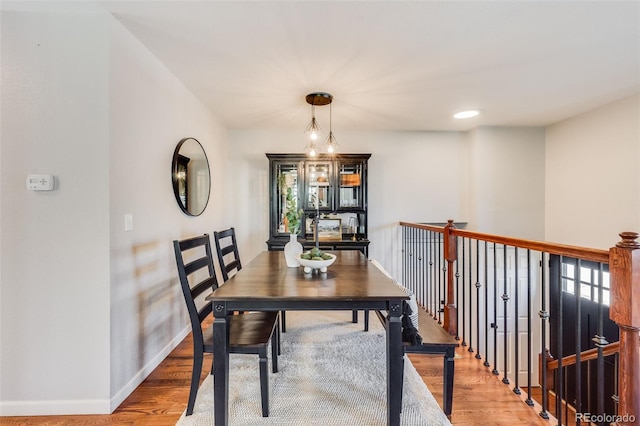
(294, 217)
(293, 214)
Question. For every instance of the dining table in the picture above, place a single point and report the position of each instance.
(266, 283)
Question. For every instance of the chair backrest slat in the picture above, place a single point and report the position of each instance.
(227, 262)
(208, 285)
(197, 264)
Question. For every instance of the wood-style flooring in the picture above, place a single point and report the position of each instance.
(479, 398)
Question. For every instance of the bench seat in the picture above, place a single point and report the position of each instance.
(435, 340)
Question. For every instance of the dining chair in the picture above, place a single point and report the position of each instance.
(229, 258)
(250, 333)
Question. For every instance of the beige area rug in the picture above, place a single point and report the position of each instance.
(331, 372)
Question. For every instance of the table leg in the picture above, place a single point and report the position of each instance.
(220, 365)
(448, 381)
(394, 364)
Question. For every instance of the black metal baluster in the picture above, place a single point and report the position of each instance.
(578, 364)
(461, 312)
(560, 354)
(516, 333)
(404, 254)
(409, 255)
(544, 315)
(470, 297)
(413, 257)
(441, 292)
(432, 278)
(505, 304)
(478, 285)
(418, 249)
(495, 312)
(435, 304)
(417, 289)
(486, 304)
(589, 390)
(616, 397)
(600, 342)
(436, 276)
(566, 403)
(425, 288)
(425, 271)
(529, 401)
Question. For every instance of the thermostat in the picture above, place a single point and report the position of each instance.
(40, 182)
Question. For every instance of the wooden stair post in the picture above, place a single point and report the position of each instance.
(624, 268)
(450, 254)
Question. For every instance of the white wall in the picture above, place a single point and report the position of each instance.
(150, 111)
(507, 181)
(55, 245)
(592, 186)
(87, 310)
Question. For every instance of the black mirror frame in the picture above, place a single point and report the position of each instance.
(175, 162)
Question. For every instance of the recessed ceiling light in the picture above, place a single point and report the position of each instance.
(466, 114)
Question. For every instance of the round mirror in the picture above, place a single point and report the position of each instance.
(191, 177)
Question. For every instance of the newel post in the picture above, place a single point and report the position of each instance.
(450, 254)
(624, 267)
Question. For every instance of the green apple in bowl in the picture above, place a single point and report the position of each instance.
(316, 259)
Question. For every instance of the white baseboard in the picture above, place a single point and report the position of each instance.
(54, 408)
(93, 406)
(128, 389)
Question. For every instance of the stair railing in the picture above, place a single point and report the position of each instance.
(497, 295)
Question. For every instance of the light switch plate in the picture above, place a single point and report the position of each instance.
(128, 222)
(40, 182)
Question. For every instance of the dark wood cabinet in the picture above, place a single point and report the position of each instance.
(335, 187)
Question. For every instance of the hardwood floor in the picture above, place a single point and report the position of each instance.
(479, 398)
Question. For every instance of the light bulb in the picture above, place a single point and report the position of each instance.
(313, 136)
(330, 149)
(466, 114)
(312, 153)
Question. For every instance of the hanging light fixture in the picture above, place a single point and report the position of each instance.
(330, 145)
(313, 130)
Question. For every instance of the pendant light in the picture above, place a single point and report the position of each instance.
(330, 145)
(313, 130)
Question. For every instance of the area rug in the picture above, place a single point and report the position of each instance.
(331, 372)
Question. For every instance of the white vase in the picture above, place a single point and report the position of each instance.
(292, 250)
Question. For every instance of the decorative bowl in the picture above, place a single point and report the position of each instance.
(309, 264)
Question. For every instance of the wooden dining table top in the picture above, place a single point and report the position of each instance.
(352, 277)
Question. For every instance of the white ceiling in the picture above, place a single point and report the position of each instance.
(394, 65)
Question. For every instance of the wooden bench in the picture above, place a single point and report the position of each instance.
(435, 340)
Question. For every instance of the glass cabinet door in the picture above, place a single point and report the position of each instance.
(286, 193)
(319, 191)
(350, 189)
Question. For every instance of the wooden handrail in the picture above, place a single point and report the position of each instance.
(433, 228)
(583, 253)
(587, 355)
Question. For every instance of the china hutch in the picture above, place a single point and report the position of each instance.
(332, 188)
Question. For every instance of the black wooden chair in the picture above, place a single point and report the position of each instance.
(229, 258)
(248, 334)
